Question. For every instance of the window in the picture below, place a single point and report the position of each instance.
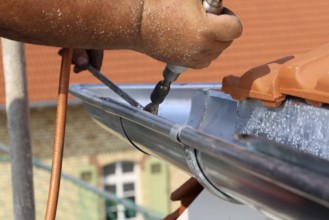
(111, 188)
(127, 187)
(121, 178)
(127, 167)
(109, 169)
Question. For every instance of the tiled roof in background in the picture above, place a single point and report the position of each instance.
(272, 29)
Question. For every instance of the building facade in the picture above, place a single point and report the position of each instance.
(97, 157)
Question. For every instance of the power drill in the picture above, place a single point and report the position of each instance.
(172, 72)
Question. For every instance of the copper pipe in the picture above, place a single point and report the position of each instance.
(59, 135)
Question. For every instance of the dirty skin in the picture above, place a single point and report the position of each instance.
(178, 32)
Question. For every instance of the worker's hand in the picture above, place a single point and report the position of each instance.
(82, 58)
(181, 32)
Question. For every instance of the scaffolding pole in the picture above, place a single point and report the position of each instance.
(18, 129)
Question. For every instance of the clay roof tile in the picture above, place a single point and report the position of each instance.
(271, 30)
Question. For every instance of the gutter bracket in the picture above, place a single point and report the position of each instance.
(193, 164)
(175, 130)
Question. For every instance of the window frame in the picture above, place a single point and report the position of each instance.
(119, 178)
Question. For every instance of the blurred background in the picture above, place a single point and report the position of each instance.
(272, 29)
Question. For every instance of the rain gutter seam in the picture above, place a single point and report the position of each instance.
(194, 166)
(130, 141)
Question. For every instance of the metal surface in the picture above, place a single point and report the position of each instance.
(200, 116)
(113, 86)
(17, 115)
(307, 129)
(268, 180)
(213, 6)
(193, 164)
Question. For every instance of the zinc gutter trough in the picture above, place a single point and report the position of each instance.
(195, 132)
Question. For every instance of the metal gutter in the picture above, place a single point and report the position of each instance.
(195, 132)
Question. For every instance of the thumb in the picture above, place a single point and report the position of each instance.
(225, 27)
(80, 59)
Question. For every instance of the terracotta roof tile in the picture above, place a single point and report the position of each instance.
(271, 30)
(303, 75)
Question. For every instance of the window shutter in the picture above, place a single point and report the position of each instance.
(88, 201)
(156, 176)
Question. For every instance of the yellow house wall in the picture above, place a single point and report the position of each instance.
(86, 144)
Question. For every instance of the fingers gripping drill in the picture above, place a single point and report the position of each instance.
(172, 72)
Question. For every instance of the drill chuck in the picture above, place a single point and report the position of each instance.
(171, 73)
(159, 93)
(213, 6)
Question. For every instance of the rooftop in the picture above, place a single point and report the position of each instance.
(271, 31)
(303, 75)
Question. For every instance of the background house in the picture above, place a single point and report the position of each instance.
(271, 30)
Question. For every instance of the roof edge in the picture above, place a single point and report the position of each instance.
(45, 104)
